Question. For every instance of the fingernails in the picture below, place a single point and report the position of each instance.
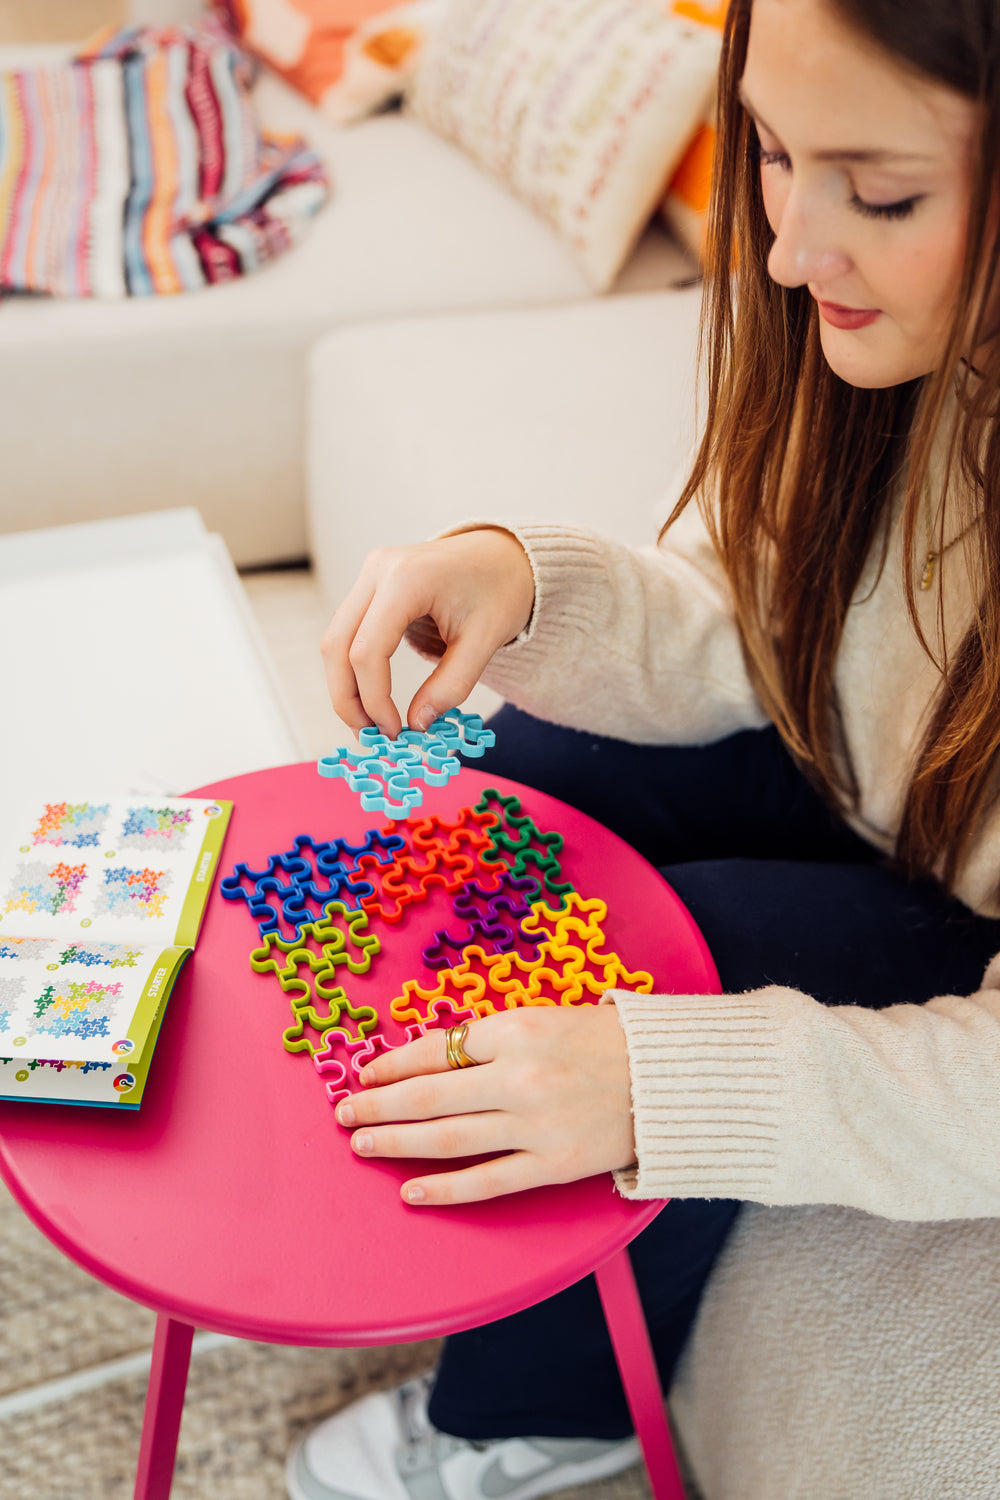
(362, 1144)
(414, 1193)
(345, 1114)
(425, 718)
(365, 1077)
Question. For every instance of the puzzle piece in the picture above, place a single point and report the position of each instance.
(383, 783)
(510, 904)
(322, 961)
(295, 911)
(467, 990)
(383, 771)
(579, 916)
(517, 981)
(512, 843)
(470, 828)
(444, 948)
(463, 732)
(409, 879)
(380, 845)
(341, 1059)
(307, 1016)
(245, 884)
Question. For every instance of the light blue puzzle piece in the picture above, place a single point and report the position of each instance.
(383, 771)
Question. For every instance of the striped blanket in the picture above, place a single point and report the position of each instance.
(139, 169)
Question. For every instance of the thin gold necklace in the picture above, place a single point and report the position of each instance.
(932, 557)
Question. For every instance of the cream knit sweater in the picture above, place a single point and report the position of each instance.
(770, 1096)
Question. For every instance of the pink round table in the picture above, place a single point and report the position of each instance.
(231, 1201)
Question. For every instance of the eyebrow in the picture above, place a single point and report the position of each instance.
(873, 157)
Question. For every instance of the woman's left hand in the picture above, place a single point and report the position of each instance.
(552, 1092)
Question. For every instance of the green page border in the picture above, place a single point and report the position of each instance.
(201, 880)
(140, 1068)
(159, 983)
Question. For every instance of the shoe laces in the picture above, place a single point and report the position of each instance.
(414, 1422)
(423, 1444)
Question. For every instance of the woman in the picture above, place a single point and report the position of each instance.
(797, 690)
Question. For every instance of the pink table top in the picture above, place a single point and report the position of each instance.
(231, 1199)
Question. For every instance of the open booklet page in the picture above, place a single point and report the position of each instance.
(123, 869)
(100, 903)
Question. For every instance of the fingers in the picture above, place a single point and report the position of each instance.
(423, 1096)
(455, 1135)
(428, 1054)
(357, 646)
(335, 646)
(468, 594)
(513, 1173)
(453, 679)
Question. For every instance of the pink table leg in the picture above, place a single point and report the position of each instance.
(637, 1366)
(164, 1403)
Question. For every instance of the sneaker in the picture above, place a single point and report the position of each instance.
(383, 1447)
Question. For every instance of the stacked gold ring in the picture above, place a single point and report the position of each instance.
(455, 1044)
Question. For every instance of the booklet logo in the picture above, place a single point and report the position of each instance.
(204, 868)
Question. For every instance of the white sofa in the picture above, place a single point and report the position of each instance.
(200, 399)
(579, 413)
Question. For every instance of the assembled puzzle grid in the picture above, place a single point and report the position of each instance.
(484, 902)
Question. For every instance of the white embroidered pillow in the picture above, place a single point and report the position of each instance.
(582, 108)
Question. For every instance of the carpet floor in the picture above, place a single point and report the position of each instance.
(245, 1402)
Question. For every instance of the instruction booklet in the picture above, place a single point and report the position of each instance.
(100, 904)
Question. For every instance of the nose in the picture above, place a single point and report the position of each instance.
(803, 249)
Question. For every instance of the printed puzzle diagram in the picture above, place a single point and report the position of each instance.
(11, 991)
(155, 828)
(134, 893)
(76, 824)
(46, 890)
(519, 933)
(76, 1007)
(25, 948)
(111, 955)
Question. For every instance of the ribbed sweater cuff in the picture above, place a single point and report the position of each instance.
(706, 1094)
(563, 560)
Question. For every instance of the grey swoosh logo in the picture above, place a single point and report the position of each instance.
(495, 1482)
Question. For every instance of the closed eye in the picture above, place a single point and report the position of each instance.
(773, 159)
(901, 210)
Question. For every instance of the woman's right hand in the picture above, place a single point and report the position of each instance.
(468, 595)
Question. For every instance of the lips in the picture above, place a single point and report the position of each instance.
(847, 317)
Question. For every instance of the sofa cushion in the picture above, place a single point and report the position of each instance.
(199, 399)
(580, 414)
(581, 110)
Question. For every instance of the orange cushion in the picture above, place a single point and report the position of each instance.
(303, 40)
(685, 203)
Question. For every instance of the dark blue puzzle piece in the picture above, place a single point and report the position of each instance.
(384, 847)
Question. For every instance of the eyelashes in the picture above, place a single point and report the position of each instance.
(899, 210)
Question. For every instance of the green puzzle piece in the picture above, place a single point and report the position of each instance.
(546, 862)
(333, 951)
(294, 1038)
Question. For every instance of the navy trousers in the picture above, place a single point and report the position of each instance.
(784, 893)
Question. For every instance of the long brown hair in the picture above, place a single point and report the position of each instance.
(805, 515)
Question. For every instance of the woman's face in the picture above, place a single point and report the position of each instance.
(866, 171)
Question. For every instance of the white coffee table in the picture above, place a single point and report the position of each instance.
(132, 662)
